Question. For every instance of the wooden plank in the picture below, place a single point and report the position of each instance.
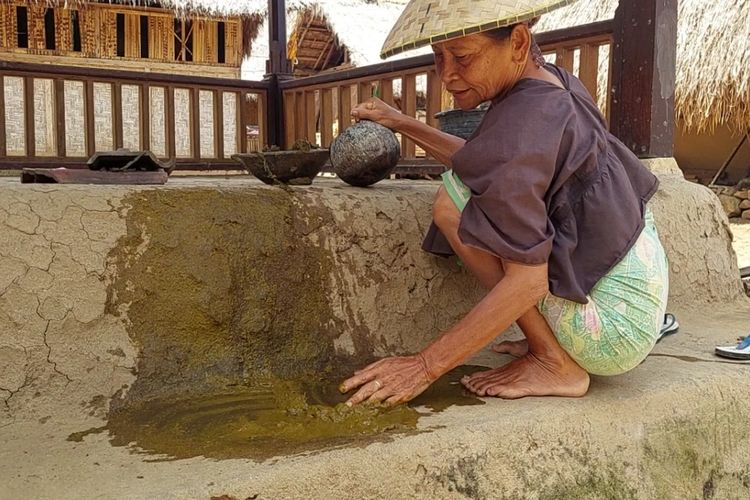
(434, 97)
(326, 117)
(63, 30)
(145, 116)
(60, 117)
(386, 91)
(300, 131)
(240, 133)
(3, 131)
(195, 123)
(170, 117)
(28, 102)
(262, 117)
(345, 107)
(409, 105)
(219, 124)
(117, 114)
(643, 76)
(589, 70)
(364, 91)
(90, 123)
(290, 102)
(564, 59)
(310, 117)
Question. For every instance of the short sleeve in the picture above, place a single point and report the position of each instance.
(509, 167)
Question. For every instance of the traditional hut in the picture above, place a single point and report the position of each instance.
(199, 37)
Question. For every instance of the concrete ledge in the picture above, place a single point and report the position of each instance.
(110, 295)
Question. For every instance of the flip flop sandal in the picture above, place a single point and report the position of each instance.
(669, 327)
(740, 351)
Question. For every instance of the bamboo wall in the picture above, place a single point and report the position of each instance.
(98, 27)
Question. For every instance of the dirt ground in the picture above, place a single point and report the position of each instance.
(741, 242)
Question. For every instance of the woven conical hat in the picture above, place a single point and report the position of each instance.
(425, 22)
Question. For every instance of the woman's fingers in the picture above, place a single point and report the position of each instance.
(363, 393)
(356, 381)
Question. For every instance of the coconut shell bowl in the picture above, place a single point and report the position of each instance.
(294, 167)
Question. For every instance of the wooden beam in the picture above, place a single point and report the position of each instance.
(28, 102)
(60, 117)
(643, 76)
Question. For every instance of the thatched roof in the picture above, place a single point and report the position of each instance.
(713, 57)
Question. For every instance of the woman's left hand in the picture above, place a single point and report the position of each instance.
(390, 380)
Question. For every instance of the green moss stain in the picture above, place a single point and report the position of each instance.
(227, 301)
(269, 418)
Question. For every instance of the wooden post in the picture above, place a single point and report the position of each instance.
(28, 103)
(643, 76)
(60, 116)
(326, 117)
(386, 91)
(434, 101)
(278, 68)
(117, 114)
(195, 123)
(290, 103)
(170, 117)
(409, 108)
(310, 116)
(218, 124)
(345, 107)
(90, 120)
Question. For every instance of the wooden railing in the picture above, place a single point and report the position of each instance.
(59, 116)
(317, 108)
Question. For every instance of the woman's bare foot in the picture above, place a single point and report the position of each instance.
(531, 375)
(515, 348)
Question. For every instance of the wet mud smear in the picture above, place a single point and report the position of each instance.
(272, 419)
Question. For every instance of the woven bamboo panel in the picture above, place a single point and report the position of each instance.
(36, 26)
(44, 118)
(157, 114)
(75, 123)
(15, 116)
(89, 31)
(210, 37)
(63, 30)
(232, 43)
(161, 38)
(131, 117)
(103, 117)
(3, 27)
(230, 123)
(207, 118)
(108, 33)
(132, 35)
(182, 135)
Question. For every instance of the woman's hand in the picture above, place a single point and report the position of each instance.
(377, 111)
(390, 380)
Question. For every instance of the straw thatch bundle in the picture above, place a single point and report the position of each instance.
(713, 54)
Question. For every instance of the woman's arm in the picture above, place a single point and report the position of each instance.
(399, 379)
(520, 289)
(437, 144)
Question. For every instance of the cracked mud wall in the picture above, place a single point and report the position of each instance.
(56, 343)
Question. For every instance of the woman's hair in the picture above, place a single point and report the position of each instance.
(502, 34)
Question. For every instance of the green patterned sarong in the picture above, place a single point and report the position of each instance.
(618, 327)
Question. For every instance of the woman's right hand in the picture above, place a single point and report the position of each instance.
(377, 111)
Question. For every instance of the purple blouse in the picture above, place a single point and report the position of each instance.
(550, 184)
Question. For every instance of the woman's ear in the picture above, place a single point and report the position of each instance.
(520, 43)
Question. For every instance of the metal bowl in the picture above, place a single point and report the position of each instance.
(284, 167)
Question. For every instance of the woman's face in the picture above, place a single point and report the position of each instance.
(477, 68)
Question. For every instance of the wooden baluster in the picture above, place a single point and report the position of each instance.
(262, 116)
(409, 103)
(3, 131)
(240, 130)
(219, 124)
(564, 59)
(117, 114)
(145, 117)
(28, 103)
(195, 124)
(169, 104)
(310, 116)
(300, 129)
(434, 97)
(589, 70)
(90, 123)
(364, 91)
(290, 103)
(386, 91)
(326, 117)
(345, 107)
(60, 117)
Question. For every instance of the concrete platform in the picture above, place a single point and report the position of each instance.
(113, 295)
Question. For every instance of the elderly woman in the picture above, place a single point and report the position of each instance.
(542, 204)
